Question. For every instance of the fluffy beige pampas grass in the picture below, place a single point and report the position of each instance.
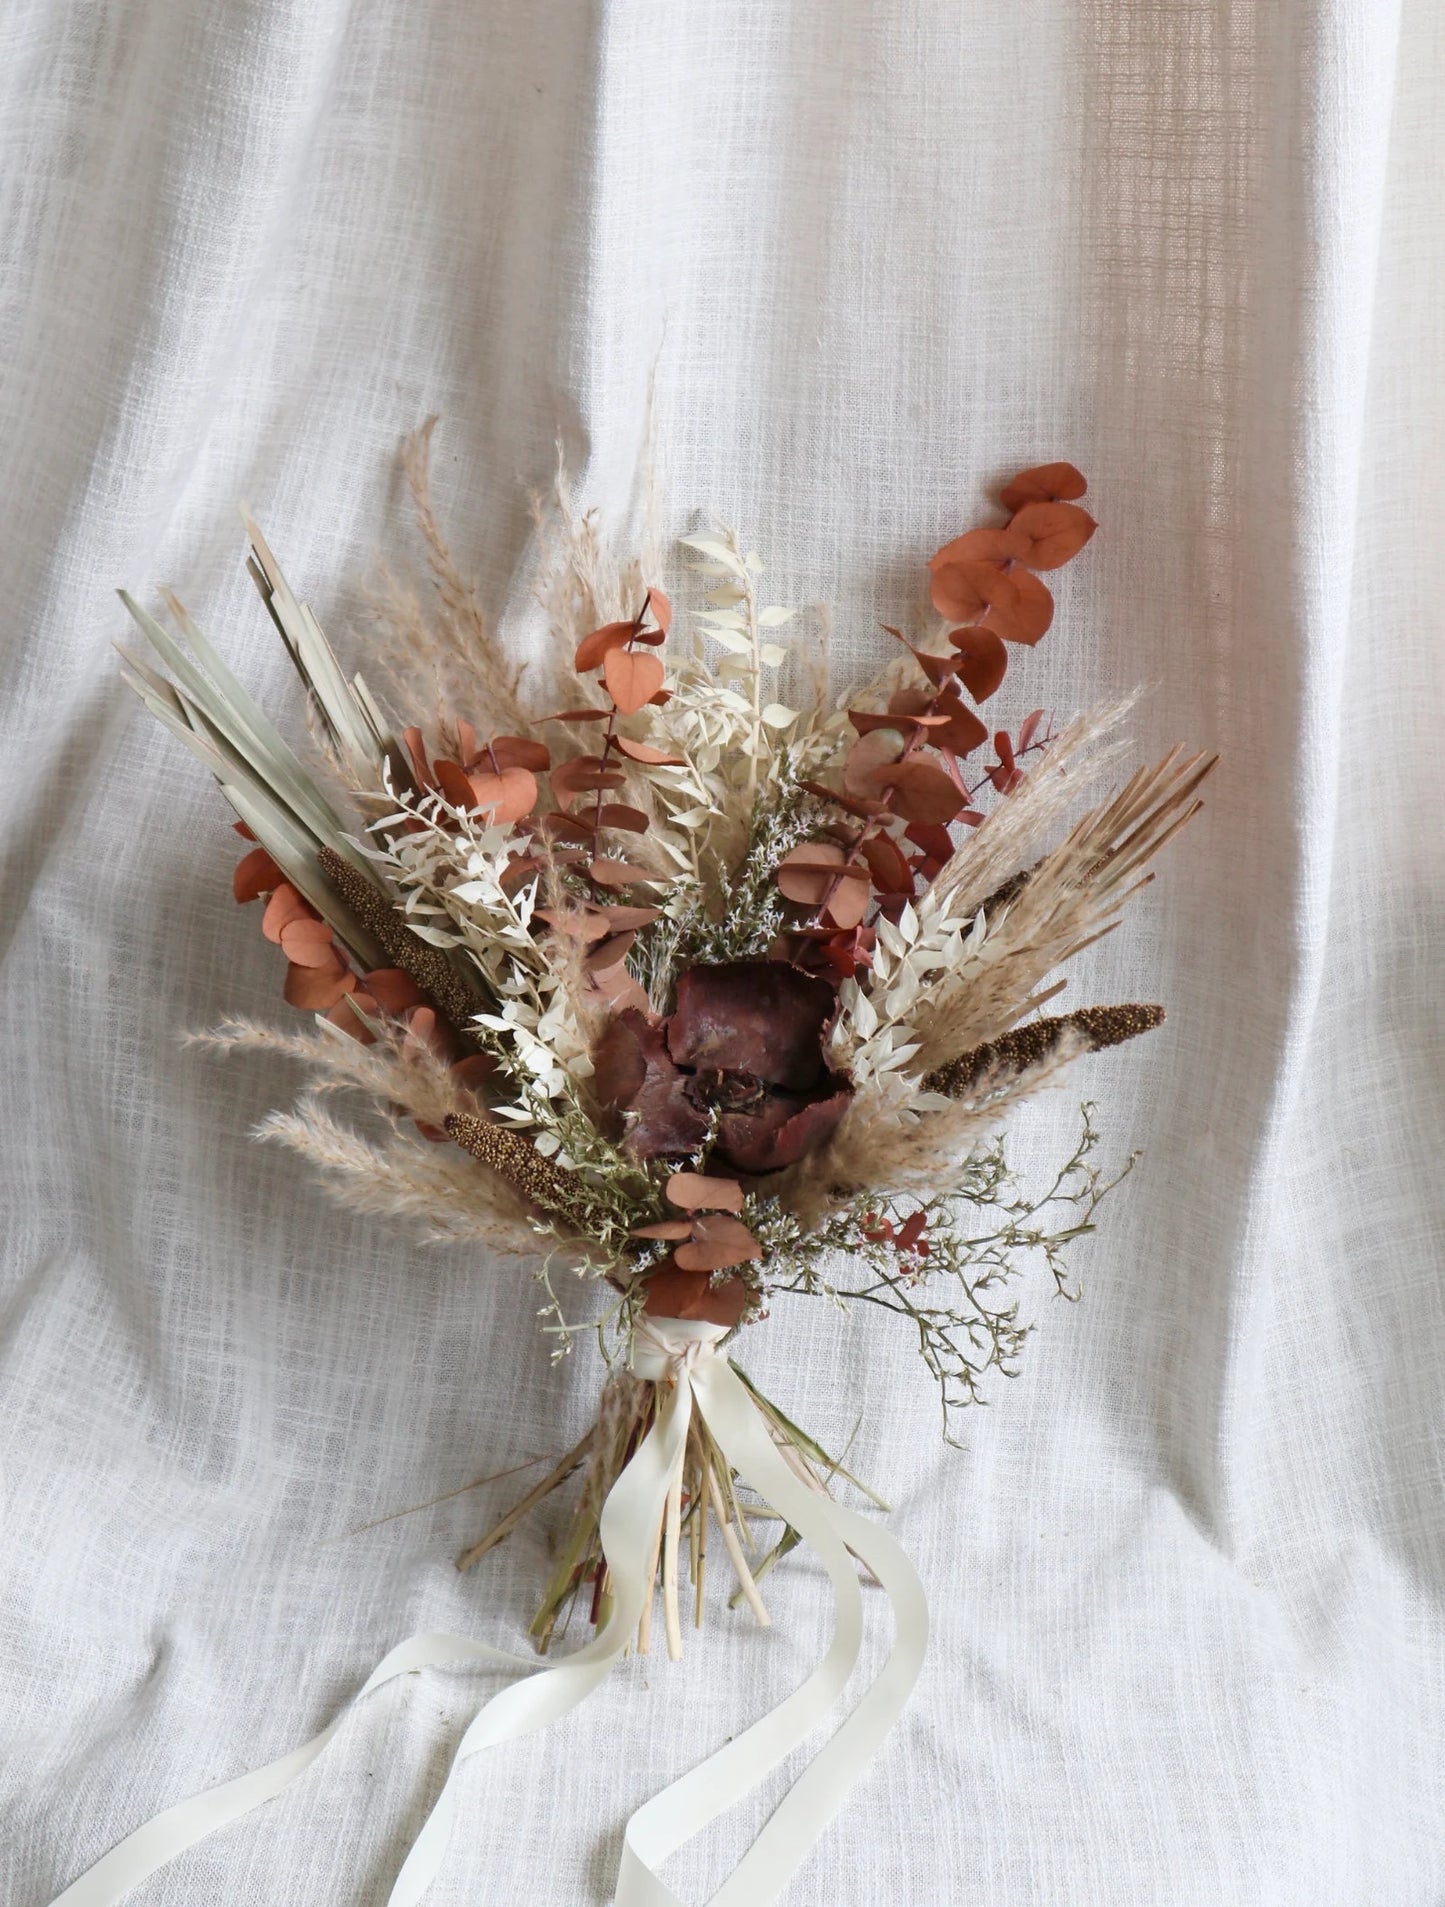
(454, 1196)
(1072, 897)
(884, 1142)
(452, 1199)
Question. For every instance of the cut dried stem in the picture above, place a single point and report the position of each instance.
(699, 1554)
(500, 1531)
(747, 1587)
(644, 1627)
(670, 1541)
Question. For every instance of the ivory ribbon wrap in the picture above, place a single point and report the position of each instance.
(678, 1355)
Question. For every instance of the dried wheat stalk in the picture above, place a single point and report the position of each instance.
(514, 1158)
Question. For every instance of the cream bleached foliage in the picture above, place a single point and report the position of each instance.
(726, 718)
(453, 878)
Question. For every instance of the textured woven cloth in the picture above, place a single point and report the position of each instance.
(1189, 1573)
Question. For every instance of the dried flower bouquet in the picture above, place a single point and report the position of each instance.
(678, 988)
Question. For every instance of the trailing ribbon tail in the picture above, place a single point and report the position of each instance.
(629, 1516)
(679, 1356)
(663, 1824)
(170, 1833)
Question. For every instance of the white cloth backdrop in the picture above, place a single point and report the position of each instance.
(1189, 1573)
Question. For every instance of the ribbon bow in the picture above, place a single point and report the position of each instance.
(663, 1349)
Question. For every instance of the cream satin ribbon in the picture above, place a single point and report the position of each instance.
(678, 1355)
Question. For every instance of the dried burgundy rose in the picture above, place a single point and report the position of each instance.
(745, 1045)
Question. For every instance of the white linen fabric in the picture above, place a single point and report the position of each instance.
(1188, 1576)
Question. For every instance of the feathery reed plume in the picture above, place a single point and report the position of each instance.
(514, 1158)
(882, 1144)
(393, 1070)
(404, 1178)
(582, 581)
(456, 644)
(1023, 1047)
(1073, 896)
(430, 967)
(1016, 832)
(409, 1075)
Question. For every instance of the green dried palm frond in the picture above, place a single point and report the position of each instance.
(204, 703)
(354, 725)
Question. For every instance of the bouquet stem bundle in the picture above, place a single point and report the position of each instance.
(706, 1494)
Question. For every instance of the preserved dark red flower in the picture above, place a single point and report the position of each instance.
(744, 1048)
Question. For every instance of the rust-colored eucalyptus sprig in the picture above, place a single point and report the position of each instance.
(903, 777)
(583, 791)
